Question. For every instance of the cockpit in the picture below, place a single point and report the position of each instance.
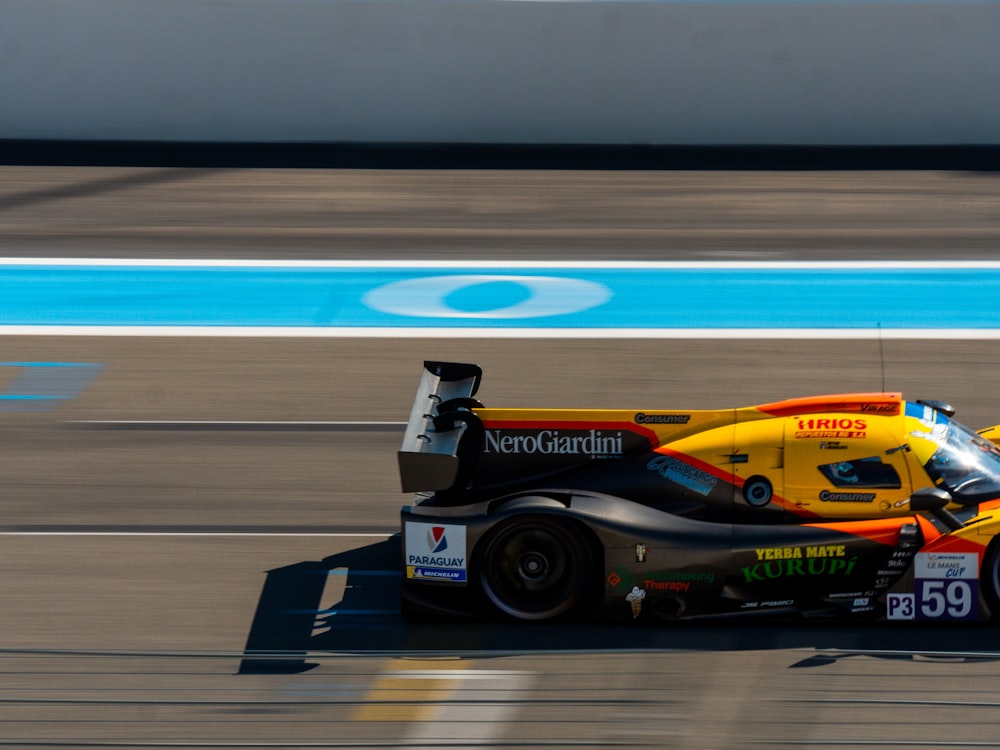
(965, 464)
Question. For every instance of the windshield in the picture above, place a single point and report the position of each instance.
(965, 464)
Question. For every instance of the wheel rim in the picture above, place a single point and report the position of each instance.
(533, 570)
(532, 567)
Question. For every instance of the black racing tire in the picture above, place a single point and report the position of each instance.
(757, 491)
(990, 579)
(535, 568)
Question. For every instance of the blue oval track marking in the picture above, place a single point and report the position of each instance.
(528, 299)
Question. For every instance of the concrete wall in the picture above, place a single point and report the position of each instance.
(502, 71)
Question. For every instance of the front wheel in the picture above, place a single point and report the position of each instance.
(535, 568)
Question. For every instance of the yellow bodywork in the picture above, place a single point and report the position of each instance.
(991, 433)
(831, 457)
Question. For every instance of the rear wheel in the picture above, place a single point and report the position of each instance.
(535, 568)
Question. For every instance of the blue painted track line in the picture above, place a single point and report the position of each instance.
(480, 297)
(38, 386)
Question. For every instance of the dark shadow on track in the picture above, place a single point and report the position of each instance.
(289, 625)
(483, 156)
(289, 620)
(283, 623)
(91, 186)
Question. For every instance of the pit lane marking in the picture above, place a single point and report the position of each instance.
(927, 654)
(846, 334)
(698, 313)
(234, 534)
(510, 264)
(445, 704)
(406, 695)
(235, 425)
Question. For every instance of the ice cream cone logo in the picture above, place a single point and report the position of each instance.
(635, 597)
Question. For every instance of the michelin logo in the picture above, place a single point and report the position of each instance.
(435, 552)
(945, 565)
(435, 574)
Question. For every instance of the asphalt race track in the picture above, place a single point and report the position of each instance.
(197, 549)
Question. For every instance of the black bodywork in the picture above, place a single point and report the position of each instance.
(537, 546)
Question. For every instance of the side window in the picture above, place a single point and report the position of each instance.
(862, 472)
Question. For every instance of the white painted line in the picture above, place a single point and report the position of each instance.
(898, 702)
(481, 722)
(226, 534)
(352, 572)
(869, 743)
(846, 334)
(236, 425)
(892, 653)
(465, 674)
(505, 264)
(234, 422)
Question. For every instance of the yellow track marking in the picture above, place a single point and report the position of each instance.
(413, 693)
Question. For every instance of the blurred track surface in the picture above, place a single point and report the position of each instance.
(280, 213)
(141, 558)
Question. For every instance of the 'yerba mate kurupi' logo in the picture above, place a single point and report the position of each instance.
(784, 562)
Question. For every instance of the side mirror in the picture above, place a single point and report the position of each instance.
(933, 500)
(930, 499)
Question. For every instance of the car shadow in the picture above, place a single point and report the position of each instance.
(293, 624)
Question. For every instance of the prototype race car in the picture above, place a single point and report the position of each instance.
(856, 505)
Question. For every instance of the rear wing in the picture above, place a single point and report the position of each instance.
(441, 416)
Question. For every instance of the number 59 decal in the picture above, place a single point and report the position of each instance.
(947, 586)
(948, 600)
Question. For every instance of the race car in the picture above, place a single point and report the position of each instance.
(857, 505)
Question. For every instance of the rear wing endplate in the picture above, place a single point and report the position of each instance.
(428, 457)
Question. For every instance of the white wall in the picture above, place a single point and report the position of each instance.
(502, 71)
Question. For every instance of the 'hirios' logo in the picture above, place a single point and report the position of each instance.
(832, 424)
(831, 428)
(436, 540)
